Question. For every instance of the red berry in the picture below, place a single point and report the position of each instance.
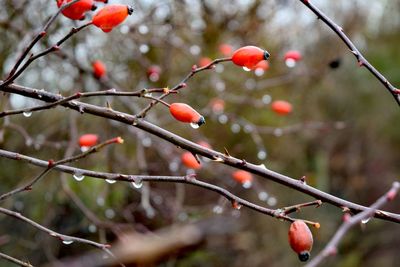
(217, 105)
(226, 50)
(300, 239)
(88, 140)
(262, 65)
(190, 161)
(76, 11)
(185, 113)
(111, 16)
(293, 54)
(204, 61)
(281, 107)
(153, 73)
(249, 56)
(242, 176)
(99, 69)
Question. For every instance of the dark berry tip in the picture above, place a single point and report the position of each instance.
(130, 10)
(94, 7)
(201, 121)
(304, 256)
(266, 55)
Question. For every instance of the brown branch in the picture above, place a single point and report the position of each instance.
(236, 201)
(200, 150)
(353, 49)
(15, 261)
(181, 84)
(331, 248)
(51, 164)
(67, 239)
(39, 36)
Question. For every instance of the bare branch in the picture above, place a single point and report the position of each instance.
(349, 222)
(14, 260)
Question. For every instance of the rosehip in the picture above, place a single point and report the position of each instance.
(99, 69)
(111, 16)
(190, 161)
(204, 144)
(249, 56)
(185, 113)
(88, 140)
(281, 107)
(76, 11)
(153, 73)
(226, 50)
(293, 54)
(300, 239)
(204, 61)
(262, 65)
(291, 58)
(242, 177)
(217, 105)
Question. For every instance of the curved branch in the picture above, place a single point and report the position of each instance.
(353, 49)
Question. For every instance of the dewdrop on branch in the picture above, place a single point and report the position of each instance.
(185, 113)
(249, 56)
(300, 239)
(111, 16)
(77, 10)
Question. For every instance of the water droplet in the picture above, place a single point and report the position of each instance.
(247, 184)
(173, 166)
(263, 196)
(235, 128)
(100, 201)
(266, 99)
(146, 142)
(219, 68)
(92, 228)
(246, 69)
(78, 176)
(290, 63)
(148, 94)
(223, 119)
(194, 125)
(278, 132)
(220, 85)
(143, 29)
(138, 183)
(67, 242)
(111, 181)
(154, 77)
(195, 50)
(144, 48)
(272, 201)
(182, 216)
(262, 154)
(27, 114)
(259, 72)
(84, 148)
(218, 209)
(28, 142)
(248, 128)
(365, 221)
(110, 213)
(236, 205)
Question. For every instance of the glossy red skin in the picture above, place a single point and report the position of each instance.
(242, 176)
(184, 113)
(300, 237)
(76, 11)
(99, 69)
(293, 54)
(248, 56)
(88, 140)
(190, 161)
(110, 16)
(281, 107)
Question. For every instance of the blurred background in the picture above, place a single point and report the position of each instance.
(342, 134)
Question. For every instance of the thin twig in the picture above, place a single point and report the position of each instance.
(236, 201)
(181, 84)
(51, 164)
(331, 248)
(14, 260)
(353, 49)
(67, 239)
